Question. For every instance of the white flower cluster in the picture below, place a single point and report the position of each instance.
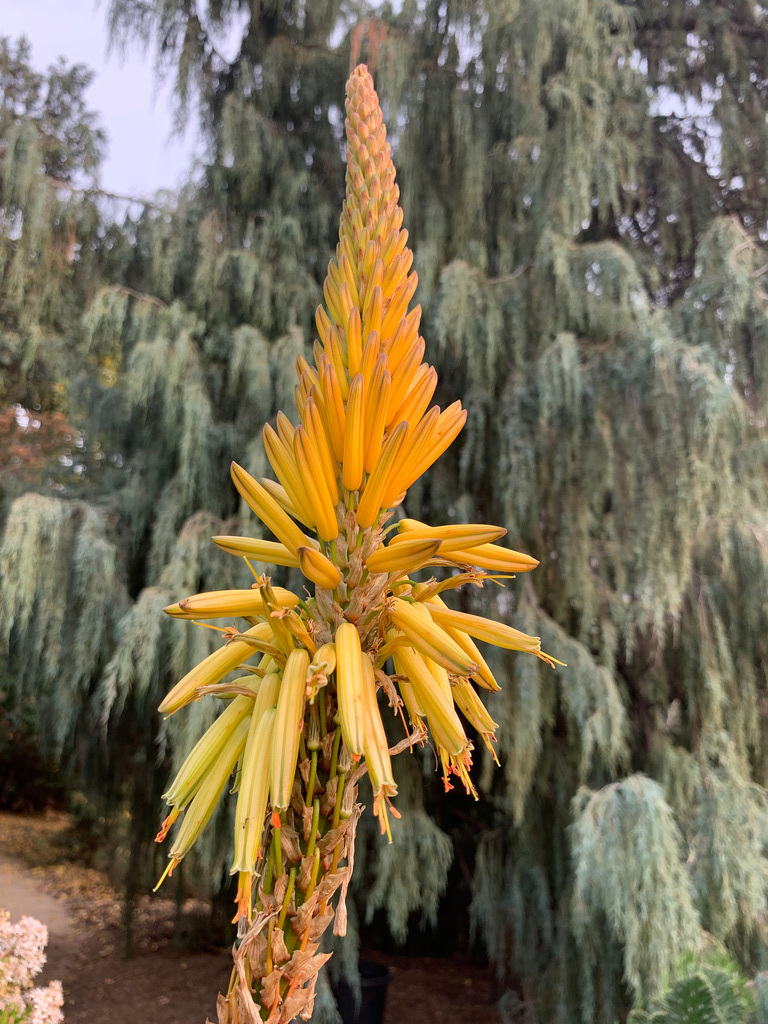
(21, 959)
(46, 1004)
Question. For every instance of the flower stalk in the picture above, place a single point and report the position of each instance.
(305, 725)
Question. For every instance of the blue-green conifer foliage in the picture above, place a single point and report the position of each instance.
(585, 187)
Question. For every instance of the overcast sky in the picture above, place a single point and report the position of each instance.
(141, 157)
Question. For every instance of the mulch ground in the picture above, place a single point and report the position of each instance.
(161, 983)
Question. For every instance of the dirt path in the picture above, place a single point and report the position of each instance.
(161, 983)
(19, 895)
(85, 946)
(158, 984)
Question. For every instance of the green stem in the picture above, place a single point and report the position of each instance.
(315, 823)
(278, 851)
(335, 753)
(312, 778)
(321, 705)
(313, 876)
(270, 868)
(337, 805)
(287, 898)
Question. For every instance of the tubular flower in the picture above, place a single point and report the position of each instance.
(305, 725)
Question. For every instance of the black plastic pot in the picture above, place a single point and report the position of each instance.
(374, 979)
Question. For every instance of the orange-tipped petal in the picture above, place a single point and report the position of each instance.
(354, 342)
(348, 276)
(268, 510)
(336, 417)
(375, 280)
(403, 340)
(378, 484)
(406, 469)
(338, 360)
(418, 398)
(320, 442)
(283, 461)
(370, 355)
(311, 470)
(403, 377)
(354, 439)
(446, 430)
(398, 305)
(322, 322)
(376, 406)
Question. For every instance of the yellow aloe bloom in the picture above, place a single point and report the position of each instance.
(354, 440)
(362, 433)
(280, 452)
(280, 495)
(200, 810)
(228, 603)
(214, 668)
(426, 636)
(319, 442)
(253, 794)
(324, 659)
(367, 511)
(321, 668)
(416, 712)
(403, 558)
(319, 568)
(259, 550)
(483, 675)
(322, 507)
(497, 633)
(475, 712)
(349, 686)
(431, 695)
(377, 749)
(207, 749)
(452, 743)
(491, 556)
(452, 538)
(287, 728)
(268, 510)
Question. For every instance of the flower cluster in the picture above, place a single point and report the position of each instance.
(21, 959)
(304, 722)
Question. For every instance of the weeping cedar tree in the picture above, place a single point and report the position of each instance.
(584, 182)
